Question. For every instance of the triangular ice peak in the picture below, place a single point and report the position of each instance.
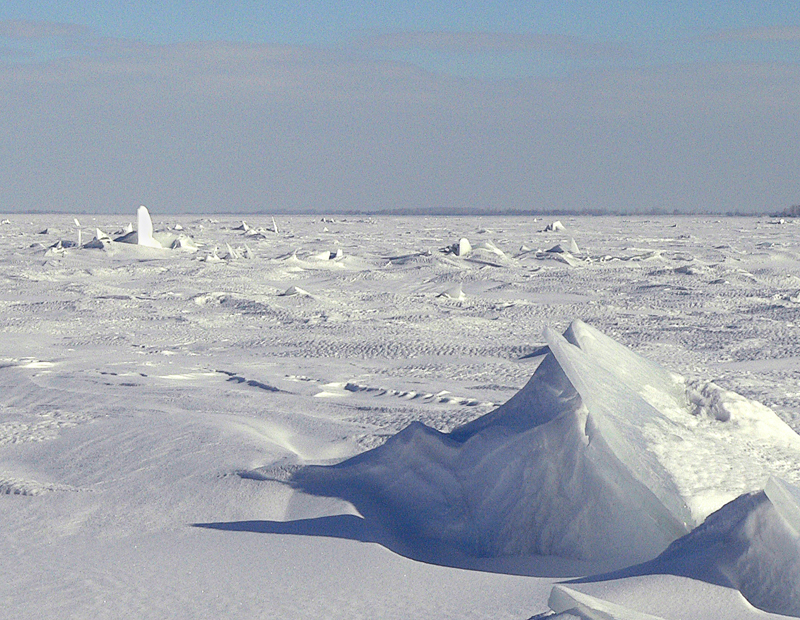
(547, 395)
(610, 380)
(645, 377)
(556, 470)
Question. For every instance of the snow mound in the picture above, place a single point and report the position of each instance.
(295, 291)
(456, 292)
(586, 461)
(184, 243)
(486, 252)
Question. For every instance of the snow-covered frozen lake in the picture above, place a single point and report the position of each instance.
(155, 404)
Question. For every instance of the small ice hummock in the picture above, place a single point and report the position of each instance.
(568, 603)
(455, 292)
(750, 544)
(462, 248)
(555, 226)
(295, 291)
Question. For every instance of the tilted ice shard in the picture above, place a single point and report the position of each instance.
(611, 381)
(640, 374)
(462, 248)
(144, 228)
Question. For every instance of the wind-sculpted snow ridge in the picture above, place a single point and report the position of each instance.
(584, 462)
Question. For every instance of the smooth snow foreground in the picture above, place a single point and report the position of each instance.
(579, 464)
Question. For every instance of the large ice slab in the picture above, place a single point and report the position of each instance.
(144, 228)
(595, 458)
(560, 469)
(143, 235)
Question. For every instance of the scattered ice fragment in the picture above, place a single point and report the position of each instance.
(455, 292)
(462, 248)
(213, 257)
(295, 291)
(574, 604)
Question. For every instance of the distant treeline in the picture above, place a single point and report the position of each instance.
(793, 211)
(553, 212)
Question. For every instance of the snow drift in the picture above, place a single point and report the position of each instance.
(577, 464)
(751, 544)
(748, 545)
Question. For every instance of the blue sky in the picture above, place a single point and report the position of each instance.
(282, 106)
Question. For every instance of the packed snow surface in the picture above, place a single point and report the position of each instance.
(160, 406)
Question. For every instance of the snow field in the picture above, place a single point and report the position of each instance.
(145, 390)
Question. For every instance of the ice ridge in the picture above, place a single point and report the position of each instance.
(562, 468)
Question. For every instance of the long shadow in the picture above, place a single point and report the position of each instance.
(352, 527)
(349, 527)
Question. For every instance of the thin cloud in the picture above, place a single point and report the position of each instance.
(220, 124)
(31, 30)
(490, 42)
(770, 34)
(113, 68)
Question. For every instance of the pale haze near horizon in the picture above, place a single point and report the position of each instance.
(325, 108)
